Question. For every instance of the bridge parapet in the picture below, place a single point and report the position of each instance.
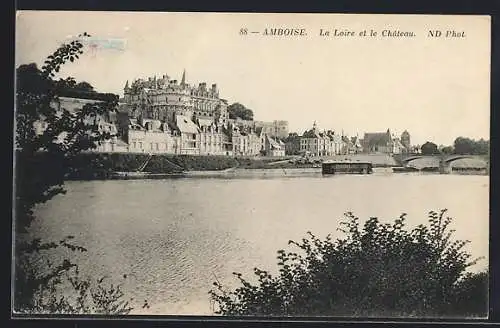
(444, 158)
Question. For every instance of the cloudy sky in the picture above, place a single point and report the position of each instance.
(436, 88)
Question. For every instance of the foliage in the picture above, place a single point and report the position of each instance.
(466, 146)
(84, 86)
(447, 150)
(238, 110)
(292, 144)
(67, 133)
(43, 285)
(376, 270)
(202, 163)
(43, 158)
(429, 148)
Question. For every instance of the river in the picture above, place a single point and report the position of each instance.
(173, 238)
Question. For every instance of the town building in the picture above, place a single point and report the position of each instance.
(352, 145)
(322, 143)
(104, 123)
(277, 128)
(274, 146)
(384, 142)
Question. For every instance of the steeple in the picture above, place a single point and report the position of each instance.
(126, 85)
(314, 126)
(183, 80)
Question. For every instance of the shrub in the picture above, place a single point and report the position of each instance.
(376, 270)
(44, 160)
(45, 288)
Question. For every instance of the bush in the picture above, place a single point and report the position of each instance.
(204, 162)
(377, 270)
(42, 287)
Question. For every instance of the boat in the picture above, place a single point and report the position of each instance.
(404, 169)
(346, 167)
(144, 175)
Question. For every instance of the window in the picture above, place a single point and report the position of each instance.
(157, 146)
(140, 145)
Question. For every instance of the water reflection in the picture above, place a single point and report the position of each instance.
(174, 237)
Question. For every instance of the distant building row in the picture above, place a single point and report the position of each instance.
(162, 115)
(180, 134)
(328, 143)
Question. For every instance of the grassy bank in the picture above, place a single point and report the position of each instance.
(102, 165)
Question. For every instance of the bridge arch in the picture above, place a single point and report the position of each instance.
(411, 158)
(452, 158)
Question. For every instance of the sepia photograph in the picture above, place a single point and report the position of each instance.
(251, 165)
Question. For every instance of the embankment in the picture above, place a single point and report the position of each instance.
(90, 166)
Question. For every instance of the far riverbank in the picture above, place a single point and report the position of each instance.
(104, 166)
(92, 166)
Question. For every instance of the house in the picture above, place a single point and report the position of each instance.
(385, 142)
(189, 134)
(212, 139)
(378, 142)
(274, 147)
(151, 136)
(314, 142)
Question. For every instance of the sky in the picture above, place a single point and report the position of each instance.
(437, 88)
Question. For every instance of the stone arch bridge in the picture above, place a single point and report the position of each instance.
(444, 162)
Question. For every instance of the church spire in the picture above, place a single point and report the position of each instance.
(183, 80)
(126, 85)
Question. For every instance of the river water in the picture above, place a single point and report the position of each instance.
(173, 238)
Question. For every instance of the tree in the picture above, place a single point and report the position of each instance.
(375, 270)
(467, 146)
(292, 144)
(447, 150)
(238, 110)
(429, 148)
(42, 161)
(84, 86)
(463, 146)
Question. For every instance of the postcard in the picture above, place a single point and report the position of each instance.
(251, 164)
